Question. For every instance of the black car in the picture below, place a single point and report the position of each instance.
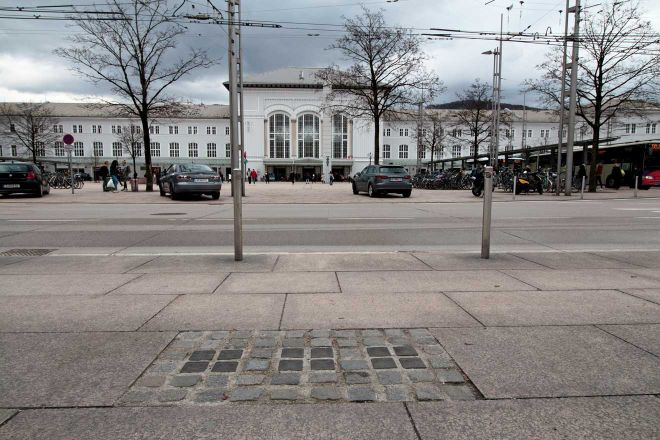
(377, 179)
(22, 177)
(190, 179)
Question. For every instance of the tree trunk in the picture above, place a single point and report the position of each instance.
(476, 149)
(432, 167)
(594, 160)
(147, 153)
(377, 141)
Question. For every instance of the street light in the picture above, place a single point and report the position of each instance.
(369, 158)
(497, 83)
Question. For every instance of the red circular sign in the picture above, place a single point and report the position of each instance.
(68, 139)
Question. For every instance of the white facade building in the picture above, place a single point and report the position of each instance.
(287, 130)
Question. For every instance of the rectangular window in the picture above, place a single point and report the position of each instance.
(627, 128)
(58, 129)
(14, 150)
(193, 150)
(174, 149)
(648, 128)
(653, 128)
(114, 129)
(388, 132)
(423, 132)
(117, 149)
(154, 129)
(155, 149)
(136, 129)
(77, 128)
(40, 149)
(387, 152)
(403, 151)
(226, 131)
(422, 153)
(405, 132)
(59, 149)
(513, 133)
(174, 129)
(98, 149)
(211, 130)
(192, 130)
(228, 150)
(78, 149)
(456, 151)
(95, 129)
(137, 149)
(528, 134)
(211, 150)
(633, 128)
(507, 132)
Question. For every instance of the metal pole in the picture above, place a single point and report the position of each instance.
(582, 189)
(420, 109)
(239, 30)
(636, 185)
(572, 100)
(499, 91)
(491, 144)
(515, 183)
(488, 206)
(71, 173)
(562, 99)
(236, 174)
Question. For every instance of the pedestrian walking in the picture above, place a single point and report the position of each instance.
(313, 177)
(331, 179)
(253, 175)
(292, 178)
(222, 176)
(126, 174)
(249, 176)
(103, 174)
(599, 174)
(114, 174)
(582, 172)
(617, 175)
(267, 177)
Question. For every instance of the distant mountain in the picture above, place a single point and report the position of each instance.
(464, 104)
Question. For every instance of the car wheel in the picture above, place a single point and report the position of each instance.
(518, 189)
(173, 194)
(39, 193)
(215, 195)
(406, 193)
(371, 191)
(355, 190)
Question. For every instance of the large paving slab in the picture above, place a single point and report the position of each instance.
(557, 307)
(57, 285)
(652, 295)
(73, 369)
(78, 313)
(63, 265)
(641, 258)
(10, 260)
(644, 336)
(208, 263)
(348, 262)
(220, 312)
(444, 261)
(273, 422)
(172, 284)
(280, 282)
(427, 281)
(648, 273)
(6, 414)
(573, 260)
(587, 279)
(373, 310)
(603, 418)
(519, 362)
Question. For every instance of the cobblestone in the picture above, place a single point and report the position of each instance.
(216, 368)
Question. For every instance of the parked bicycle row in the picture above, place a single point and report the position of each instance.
(62, 180)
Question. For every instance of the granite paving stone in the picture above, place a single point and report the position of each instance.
(265, 342)
(6, 414)
(344, 262)
(322, 377)
(350, 365)
(325, 393)
(463, 261)
(207, 264)
(250, 379)
(652, 295)
(357, 377)
(185, 380)
(359, 421)
(644, 336)
(172, 395)
(73, 369)
(603, 418)
(290, 365)
(224, 367)
(440, 361)
(416, 376)
(426, 391)
(378, 351)
(584, 279)
(215, 395)
(246, 393)
(525, 362)
(138, 396)
(361, 394)
(293, 342)
(58, 285)
(321, 342)
(383, 363)
(344, 334)
(295, 333)
(282, 282)
(320, 333)
(216, 381)
(202, 355)
(405, 350)
(450, 376)
(257, 365)
(322, 364)
(572, 260)
(342, 342)
(373, 341)
(296, 353)
(322, 352)
(285, 379)
(172, 284)
(411, 363)
(351, 353)
(459, 392)
(263, 353)
(397, 393)
(284, 394)
(152, 381)
(389, 377)
(194, 367)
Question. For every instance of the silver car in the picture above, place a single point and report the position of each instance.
(381, 179)
(190, 179)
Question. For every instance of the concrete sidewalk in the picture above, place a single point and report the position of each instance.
(285, 193)
(361, 346)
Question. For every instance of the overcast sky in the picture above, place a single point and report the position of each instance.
(29, 71)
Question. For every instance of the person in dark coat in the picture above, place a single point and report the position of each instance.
(103, 174)
(616, 175)
(114, 173)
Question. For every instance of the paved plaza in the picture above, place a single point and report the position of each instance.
(115, 327)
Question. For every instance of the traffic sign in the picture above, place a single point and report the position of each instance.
(68, 139)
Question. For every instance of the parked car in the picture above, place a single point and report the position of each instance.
(22, 177)
(190, 179)
(83, 176)
(381, 179)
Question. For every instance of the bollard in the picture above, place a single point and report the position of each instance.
(515, 182)
(488, 205)
(582, 189)
(636, 185)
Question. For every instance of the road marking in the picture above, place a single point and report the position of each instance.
(374, 218)
(64, 220)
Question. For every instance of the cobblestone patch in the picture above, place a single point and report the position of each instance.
(206, 368)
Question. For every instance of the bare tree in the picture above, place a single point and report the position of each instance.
(132, 55)
(476, 115)
(432, 135)
(619, 64)
(131, 142)
(30, 125)
(387, 74)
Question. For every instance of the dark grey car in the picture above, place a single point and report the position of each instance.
(190, 179)
(22, 177)
(381, 179)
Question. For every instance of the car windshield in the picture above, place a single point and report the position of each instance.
(393, 170)
(13, 168)
(195, 168)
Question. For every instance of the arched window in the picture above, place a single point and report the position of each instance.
(308, 135)
(340, 136)
(280, 136)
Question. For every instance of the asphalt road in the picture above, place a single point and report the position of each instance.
(387, 226)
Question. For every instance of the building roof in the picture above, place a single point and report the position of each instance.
(298, 77)
(95, 110)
